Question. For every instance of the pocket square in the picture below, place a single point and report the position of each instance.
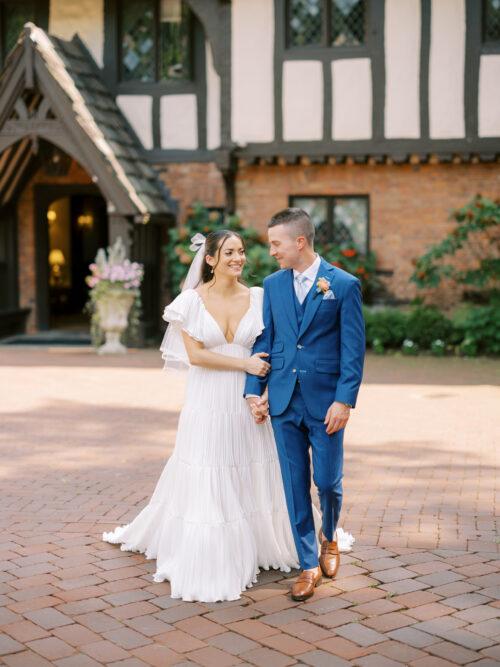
(329, 295)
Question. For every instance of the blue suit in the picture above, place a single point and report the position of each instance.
(316, 353)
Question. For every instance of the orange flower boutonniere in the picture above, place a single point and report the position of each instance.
(322, 285)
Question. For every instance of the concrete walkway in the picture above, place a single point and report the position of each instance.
(83, 441)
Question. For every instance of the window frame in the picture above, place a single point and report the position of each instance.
(40, 19)
(135, 84)
(331, 199)
(325, 44)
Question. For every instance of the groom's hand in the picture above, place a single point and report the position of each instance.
(259, 408)
(337, 417)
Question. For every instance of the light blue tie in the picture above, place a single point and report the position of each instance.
(301, 287)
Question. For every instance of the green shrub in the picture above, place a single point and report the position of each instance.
(387, 327)
(479, 330)
(409, 347)
(425, 324)
(438, 347)
(477, 231)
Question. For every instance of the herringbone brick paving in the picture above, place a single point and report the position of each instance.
(83, 441)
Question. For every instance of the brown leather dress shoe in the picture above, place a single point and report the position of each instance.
(306, 582)
(329, 559)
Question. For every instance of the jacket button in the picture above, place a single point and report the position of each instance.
(299, 347)
(294, 370)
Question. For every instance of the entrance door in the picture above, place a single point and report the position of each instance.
(72, 225)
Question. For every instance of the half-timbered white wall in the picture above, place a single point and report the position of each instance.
(402, 69)
(213, 101)
(137, 109)
(86, 17)
(489, 96)
(352, 99)
(256, 75)
(302, 100)
(446, 69)
(252, 75)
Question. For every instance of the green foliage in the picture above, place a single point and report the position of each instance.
(478, 232)
(409, 347)
(362, 266)
(438, 347)
(425, 324)
(385, 328)
(479, 329)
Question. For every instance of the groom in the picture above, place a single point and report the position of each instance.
(314, 333)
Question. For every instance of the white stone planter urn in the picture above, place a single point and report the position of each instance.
(113, 309)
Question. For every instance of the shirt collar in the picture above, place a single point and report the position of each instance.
(311, 271)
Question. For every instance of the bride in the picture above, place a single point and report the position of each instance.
(218, 511)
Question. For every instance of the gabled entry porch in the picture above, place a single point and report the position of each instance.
(72, 179)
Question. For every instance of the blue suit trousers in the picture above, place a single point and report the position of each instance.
(295, 430)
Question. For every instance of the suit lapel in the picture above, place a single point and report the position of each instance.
(286, 296)
(313, 301)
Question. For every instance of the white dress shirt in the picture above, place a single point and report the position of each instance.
(302, 282)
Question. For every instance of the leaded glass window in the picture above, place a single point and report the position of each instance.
(491, 21)
(155, 40)
(305, 20)
(13, 16)
(342, 220)
(326, 23)
(347, 22)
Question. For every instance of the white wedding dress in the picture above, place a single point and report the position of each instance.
(218, 511)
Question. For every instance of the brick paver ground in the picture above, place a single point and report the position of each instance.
(82, 443)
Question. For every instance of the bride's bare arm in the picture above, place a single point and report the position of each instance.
(200, 356)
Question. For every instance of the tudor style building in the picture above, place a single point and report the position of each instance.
(378, 116)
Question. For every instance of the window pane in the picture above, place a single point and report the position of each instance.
(175, 20)
(16, 14)
(317, 208)
(348, 22)
(350, 222)
(492, 20)
(137, 39)
(305, 18)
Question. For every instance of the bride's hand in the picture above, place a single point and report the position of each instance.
(255, 365)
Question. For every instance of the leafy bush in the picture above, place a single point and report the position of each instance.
(478, 232)
(360, 265)
(385, 328)
(479, 330)
(409, 347)
(425, 324)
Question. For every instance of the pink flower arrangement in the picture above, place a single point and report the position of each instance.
(115, 268)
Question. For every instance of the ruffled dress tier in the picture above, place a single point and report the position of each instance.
(218, 511)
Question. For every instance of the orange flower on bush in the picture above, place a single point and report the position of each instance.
(337, 264)
(349, 252)
(361, 271)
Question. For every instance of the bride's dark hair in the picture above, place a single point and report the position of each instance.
(213, 247)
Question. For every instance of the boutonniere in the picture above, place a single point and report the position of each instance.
(322, 285)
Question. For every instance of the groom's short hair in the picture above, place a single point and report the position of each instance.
(297, 220)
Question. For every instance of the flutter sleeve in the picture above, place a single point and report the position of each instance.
(182, 314)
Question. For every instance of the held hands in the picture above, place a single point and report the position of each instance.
(255, 365)
(259, 408)
(336, 417)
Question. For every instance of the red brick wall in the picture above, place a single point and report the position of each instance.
(26, 235)
(191, 182)
(410, 204)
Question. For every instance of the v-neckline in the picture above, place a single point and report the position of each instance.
(218, 325)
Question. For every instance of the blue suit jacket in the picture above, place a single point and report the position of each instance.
(328, 350)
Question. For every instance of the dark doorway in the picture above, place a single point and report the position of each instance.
(72, 225)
